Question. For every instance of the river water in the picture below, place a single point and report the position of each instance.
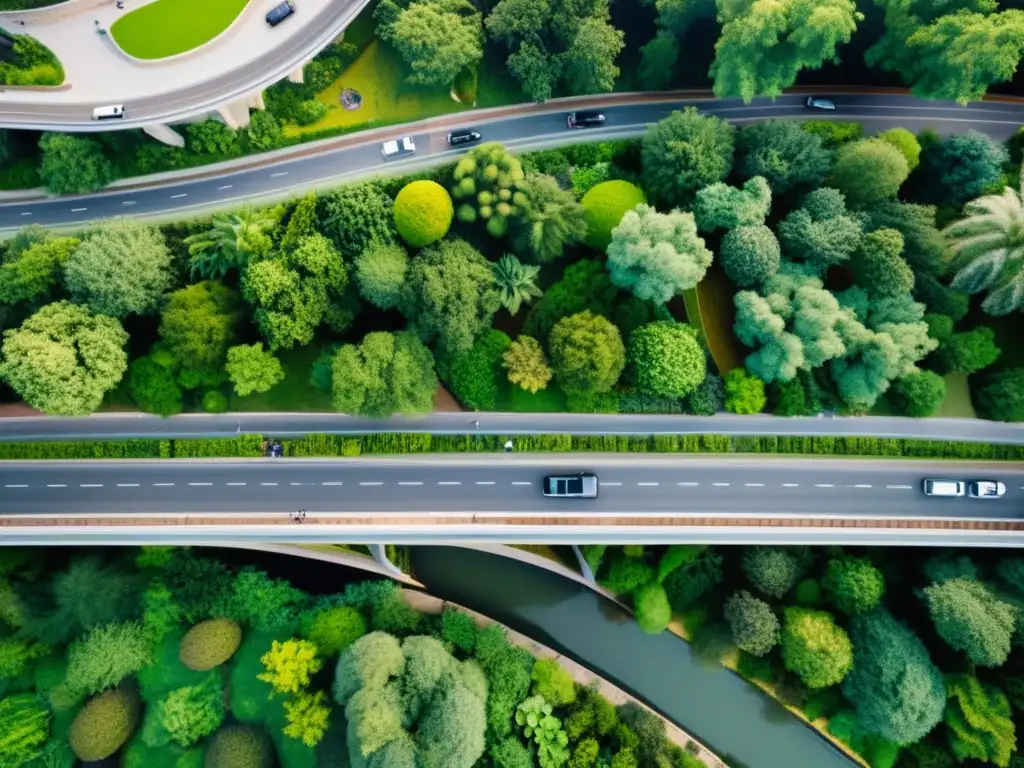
(718, 707)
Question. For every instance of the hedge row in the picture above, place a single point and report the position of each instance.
(403, 443)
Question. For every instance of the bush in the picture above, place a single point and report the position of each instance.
(153, 387)
(29, 62)
(106, 655)
(185, 715)
(653, 612)
(310, 111)
(423, 213)
(665, 359)
(773, 570)
(104, 724)
(214, 401)
(477, 373)
(744, 393)
(814, 648)
(333, 629)
(24, 726)
(853, 584)
(553, 682)
(250, 697)
(239, 746)
(603, 208)
(459, 629)
(210, 644)
(1001, 398)
(263, 132)
(755, 627)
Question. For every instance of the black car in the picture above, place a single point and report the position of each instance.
(279, 13)
(588, 119)
(463, 136)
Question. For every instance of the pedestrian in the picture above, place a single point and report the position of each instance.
(302, 515)
(476, 425)
(508, 446)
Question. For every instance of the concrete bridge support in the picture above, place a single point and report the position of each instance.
(165, 134)
(295, 76)
(236, 113)
(380, 555)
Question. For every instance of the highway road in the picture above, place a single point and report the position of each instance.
(138, 425)
(437, 485)
(361, 158)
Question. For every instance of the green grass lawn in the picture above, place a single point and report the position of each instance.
(169, 27)
(958, 398)
(717, 315)
(294, 393)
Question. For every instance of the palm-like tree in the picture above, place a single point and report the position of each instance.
(989, 242)
(515, 282)
(229, 243)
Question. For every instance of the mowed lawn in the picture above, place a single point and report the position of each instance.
(169, 27)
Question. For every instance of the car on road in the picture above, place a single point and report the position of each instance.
(113, 112)
(579, 486)
(463, 136)
(947, 488)
(398, 147)
(279, 13)
(985, 489)
(586, 119)
(816, 102)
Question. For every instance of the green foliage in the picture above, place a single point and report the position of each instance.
(508, 678)
(232, 241)
(475, 375)
(754, 626)
(211, 137)
(103, 725)
(369, 662)
(252, 369)
(166, 672)
(853, 584)
(515, 282)
(32, 277)
(604, 206)
(387, 373)
(458, 629)
(251, 698)
(552, 682)
(750, 255)
(918, 394)
(708, 398)
(210, 643)
(355, 217)
(964, 166)
(784, 154)
(526, 364)
(333, 629)
(423, 213)
(73, 165)
(239, 746)
(626, 574)
(1001, 397)
(262, 602)
(549, 217)
(878, 264)
(153, 387)
(106, 655)
(665, 359)
(691, 581)
(774, 570)
(972, 619)
(263, 132)
(814, 648)
(199, 322)
(720, 206)
(878, 752)
(978, 721)
(869, 170)
(656, 255)
(821, 233)
(534, 716)
(653, 612)
(587, 353)
(185, 715)
(967, 352)
(290, 665)
(744, 393)
(924, 247)
(685, 152)
(308, 717)
(214, 401)
(24, 728)
(380, 274)
(585, 285)
(485, 180)
(436, 38)
(906, 143)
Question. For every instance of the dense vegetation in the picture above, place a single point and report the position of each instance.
(912, 659)
(26, 61)
(166, 657)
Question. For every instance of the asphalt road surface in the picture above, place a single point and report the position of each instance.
(504, 484)
(877, 111)
(137, 425)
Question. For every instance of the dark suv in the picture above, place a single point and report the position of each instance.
(279, 13)
(589, 119)
(463, 136)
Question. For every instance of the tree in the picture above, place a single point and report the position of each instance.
(971, 619)
(185, 715)
(979, 722)
(526, 364)
(965, 166)
(423, 212)
(534, 716)
(784, 154)
(476, 374)
(666, 359)
(264, 131)
(24, 727)
(63, 359)
(535, 72)
(485, 181)
(585, 285)
(588, 64)
(899, 694)
(773, 570)
(209, 644)
(918, 394)
(814, 648)
(720, 206)
(750, 255)
(515, 282)
(436, 38)
(290, 665)
(33, 276)
(106, 655)
(240, 746)
(551, 681)
(123, 268)
(587, 353)
(549, 218)
(853, 584)
(657, 60)
(604, 206)
(386, 373)
(967, 352)
(653, 613)
(380, 274)
(989, 242)
(754, 626)
(104, 724)
(356, 216)
(231, 242)
(878, 264)
(657, 255)
(260, 601)
(906, 143)
(869, 170)
(744, 393)
(708, 398)
(684, 152)
(251, 369)
(333, 629)
(153, 388)
(1001, 397)
(199, 322)
(764, 46)
(307, 716)
(73, 165)
(450, 295)
(924, 246)
(821, 233)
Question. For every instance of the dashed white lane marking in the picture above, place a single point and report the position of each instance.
(127, 202)
(200, 483)
(374, 483)
(410, 482)
(899, 487)
(688, 485)
(646, 483)
(234, 483)
(721, 485)
(521, 482)
(485, 482)
(268, 483)
(91, 485)
(333, 483)
(162, 485)
(226, 186)
(862, 485)
(127, 485)
(78, 210)
(791, 485)
(450, 482)
(604, 483)
(56, 485)
(181, 194)
(294, 483)
(15, 486)
(754, 485)
(27, 213)
(824, 485)
(279, 173)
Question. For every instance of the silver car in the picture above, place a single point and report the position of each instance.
(813, 102)
(985, 489)
(579, 486)
(398, 147)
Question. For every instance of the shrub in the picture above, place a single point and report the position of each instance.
(423, 213)
(185, 715)
(153, 387)
(1001, 398)
(106, 655)
(239, 746)
(308, 715)
(459, 629)
(477, 373)
(24, 727)
(290, 665)
(551, 681)
(380, 274)
(970, 618)
(750, 255)
(263, 131)
(250, 697)
(814, 648)
(627, 574)
(666, 359)
(755, 627)
(333, 629)
(653, 613)
(214, 401)
(744, 393)
(310, 111)
(773, 570)
(603, 208)
(210, 643)
(853, 584)
(103, 725)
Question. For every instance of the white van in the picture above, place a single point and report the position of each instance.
(950, 488)
(113, 112)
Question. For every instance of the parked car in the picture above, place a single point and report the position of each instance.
(578, 486)
(985, 489)
(587, 119)
(814, 102)
(463, 136)
(113, 112)
(398, 147)
(950, 488)
(279, 13)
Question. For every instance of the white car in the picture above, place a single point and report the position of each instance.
(985, 489)
(815, 102)
(398, 147)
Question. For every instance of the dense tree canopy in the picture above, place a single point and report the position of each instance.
(380, 274)
(386, 373)
(436, 38)
(750, 255)
(821, 233)
(979, 722)
(815, 648)
(587, 354)
(665, 359)
(784, 154)
(879, 266)
(199, 322)
(73, 165)
(918, 394)
(853, 584)
(356, 216)
(754, 626)
(549, 218)
(31, 276)
(252, 369)
(971, 619)
(685, 152)
(869, 170)
(964, 166)
(230, 243)
(719, 206)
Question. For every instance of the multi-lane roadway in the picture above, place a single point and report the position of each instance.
(361, 157)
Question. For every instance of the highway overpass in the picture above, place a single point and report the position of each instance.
(439, 499)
